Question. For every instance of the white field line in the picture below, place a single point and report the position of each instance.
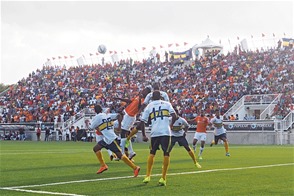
(125, 177)
(42, 192)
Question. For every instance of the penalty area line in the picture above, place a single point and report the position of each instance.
(125, 177)
(40, 192)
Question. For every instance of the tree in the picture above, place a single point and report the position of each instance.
(3, 87)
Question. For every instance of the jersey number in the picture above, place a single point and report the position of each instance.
(157, 114)
(108, 122)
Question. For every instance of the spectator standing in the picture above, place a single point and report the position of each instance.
(47, 134)
(38, 133)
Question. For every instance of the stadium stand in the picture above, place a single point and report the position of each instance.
(57, 94)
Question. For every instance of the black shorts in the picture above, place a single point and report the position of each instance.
(218, 137)
(124, 133)
(163, 141)
(182, 141)
(114, 146)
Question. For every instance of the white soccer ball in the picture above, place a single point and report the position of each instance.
(102, 49)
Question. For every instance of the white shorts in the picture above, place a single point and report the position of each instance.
(127, 122)
(200, 136)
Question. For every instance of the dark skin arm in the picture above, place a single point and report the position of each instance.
(174, 118)
(124, 100)
(141, 126)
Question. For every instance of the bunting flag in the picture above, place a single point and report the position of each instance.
(65, 57)
(169, 45)
(59, 57)
(153, 47)
(115, 52)
(129, 50)
(251, 36)
(90, 54)
(72, 56)
(229, 41)
(161, 46)
(48, 59)
(110, 52)
(220, 41)
(136, 50)
(143, 48)
(238, 38)
(263, 35)
(274, 35)
(121, 52)
(97, 53)
(185, 43)
(53, 58)
(177, 45)
(284, 34)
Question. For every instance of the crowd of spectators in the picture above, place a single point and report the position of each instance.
(56, 93)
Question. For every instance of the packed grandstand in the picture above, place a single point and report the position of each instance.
(206, 83)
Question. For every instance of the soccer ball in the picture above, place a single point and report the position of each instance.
(102, 49)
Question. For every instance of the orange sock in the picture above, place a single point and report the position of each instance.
(226, 144)
(165, 166)
(128, 162)
(192, 155)
(150, 162)
(100, 158)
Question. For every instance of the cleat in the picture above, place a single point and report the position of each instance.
(127, 143)
(132, 155)
(102, 169)
(146, 179)
(162, 182)
(228, 154)
(136, 171)
(200, 157)
(116, 159)
(212, 142)
(111, 157)
(198, 165)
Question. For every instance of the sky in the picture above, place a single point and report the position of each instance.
(34, 31)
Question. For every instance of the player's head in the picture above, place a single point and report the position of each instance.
(202, 113)
(156, 86)
(98, 108)
(177, 111)
(156, 95)
(146, 91)
(217, 115)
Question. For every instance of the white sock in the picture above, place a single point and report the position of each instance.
(130, 148)
(201, 150)
(194, 148)
(109, 152)
(122, 145)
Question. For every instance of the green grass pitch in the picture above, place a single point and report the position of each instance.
(69, 168)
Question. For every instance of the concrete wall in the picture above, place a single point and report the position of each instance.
(246, 137)
(234, 137)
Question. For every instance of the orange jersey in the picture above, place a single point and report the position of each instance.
(202, 123)
(133, 108)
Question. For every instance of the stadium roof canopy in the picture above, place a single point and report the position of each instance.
(208, 44)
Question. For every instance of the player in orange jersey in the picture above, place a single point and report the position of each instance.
(200, 134)
(129, 118)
